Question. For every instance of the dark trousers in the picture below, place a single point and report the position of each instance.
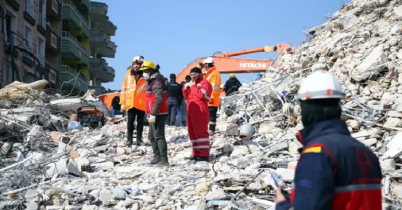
(173, 104)
(212, 117)
(131, 114)
(156, 136)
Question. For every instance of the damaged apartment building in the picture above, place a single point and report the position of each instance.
(49, 39)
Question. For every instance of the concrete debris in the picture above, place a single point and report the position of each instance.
(45, 165)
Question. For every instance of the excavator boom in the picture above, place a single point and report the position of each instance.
(226, 62)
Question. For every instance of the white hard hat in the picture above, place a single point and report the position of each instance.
(320, 85)
(138, 59)
(208, 60)
(222, 85)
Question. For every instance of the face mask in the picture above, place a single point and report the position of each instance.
(145, 75)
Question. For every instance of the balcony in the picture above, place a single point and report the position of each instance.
(53, 9)
(41, 24)
(14, 4)
(82, 5)
(72, 49)
(29, 12)
(72, 79)
(110, 70)
(99, 18)
(78, 21)
(98, 36)
(100, 68)
(98, 8)
(101, 44)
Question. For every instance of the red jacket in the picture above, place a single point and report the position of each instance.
(199, 93)
(156, 96)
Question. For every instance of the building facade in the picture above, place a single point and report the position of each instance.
(86, 40)
(27, 38)
(101, 46)
(62, 41)
(75, 46)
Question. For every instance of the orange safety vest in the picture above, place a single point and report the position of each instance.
(214, 77)
(133, 93)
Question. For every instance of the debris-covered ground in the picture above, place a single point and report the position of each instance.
(45, 165)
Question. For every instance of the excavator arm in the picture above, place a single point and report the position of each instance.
(226, 63)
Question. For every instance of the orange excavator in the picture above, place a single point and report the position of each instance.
(226, 62)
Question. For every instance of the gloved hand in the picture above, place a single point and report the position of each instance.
(211, 101)
(151, 119)
(122, 107)
(188, 84)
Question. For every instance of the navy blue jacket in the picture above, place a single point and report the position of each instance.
(335, 171)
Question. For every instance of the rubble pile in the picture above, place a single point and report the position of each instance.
(45, 165)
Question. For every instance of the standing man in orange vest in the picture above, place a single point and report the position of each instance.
(132, 99)
(213, 77)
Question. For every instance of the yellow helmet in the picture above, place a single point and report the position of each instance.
(147, 65)
(232, 75)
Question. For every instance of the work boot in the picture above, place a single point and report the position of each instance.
(129, 143)
(202, 159)
(191, 158)
(163, 162)
(156, 159)
(211, 133)
(140, 143)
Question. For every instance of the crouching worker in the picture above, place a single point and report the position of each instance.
(197, 94)
(157, 111)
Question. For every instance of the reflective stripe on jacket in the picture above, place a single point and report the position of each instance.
(151, 99)
(214, 78)
(335, 171)
(133, 93)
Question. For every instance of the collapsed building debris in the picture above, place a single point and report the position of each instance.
(46, 165)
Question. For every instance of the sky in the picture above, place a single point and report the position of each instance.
(175, 34)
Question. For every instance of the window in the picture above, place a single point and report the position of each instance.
(52, 76)
(28, 40)
(53, 40)
(55, 6)
(8, 73)
(41, 51)
(9, 26)
(29, 8)
(42, 13)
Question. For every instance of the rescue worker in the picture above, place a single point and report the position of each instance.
(116, 107)
(223, 93)
(157, 112)
(232, 85)
(175, 96)
(132, 99)
(335, 171)
(259, 76)
(197, 94)
(183, 106)
(213, 77)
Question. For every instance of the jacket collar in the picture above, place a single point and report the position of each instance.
(325, 127)
(210, 71)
